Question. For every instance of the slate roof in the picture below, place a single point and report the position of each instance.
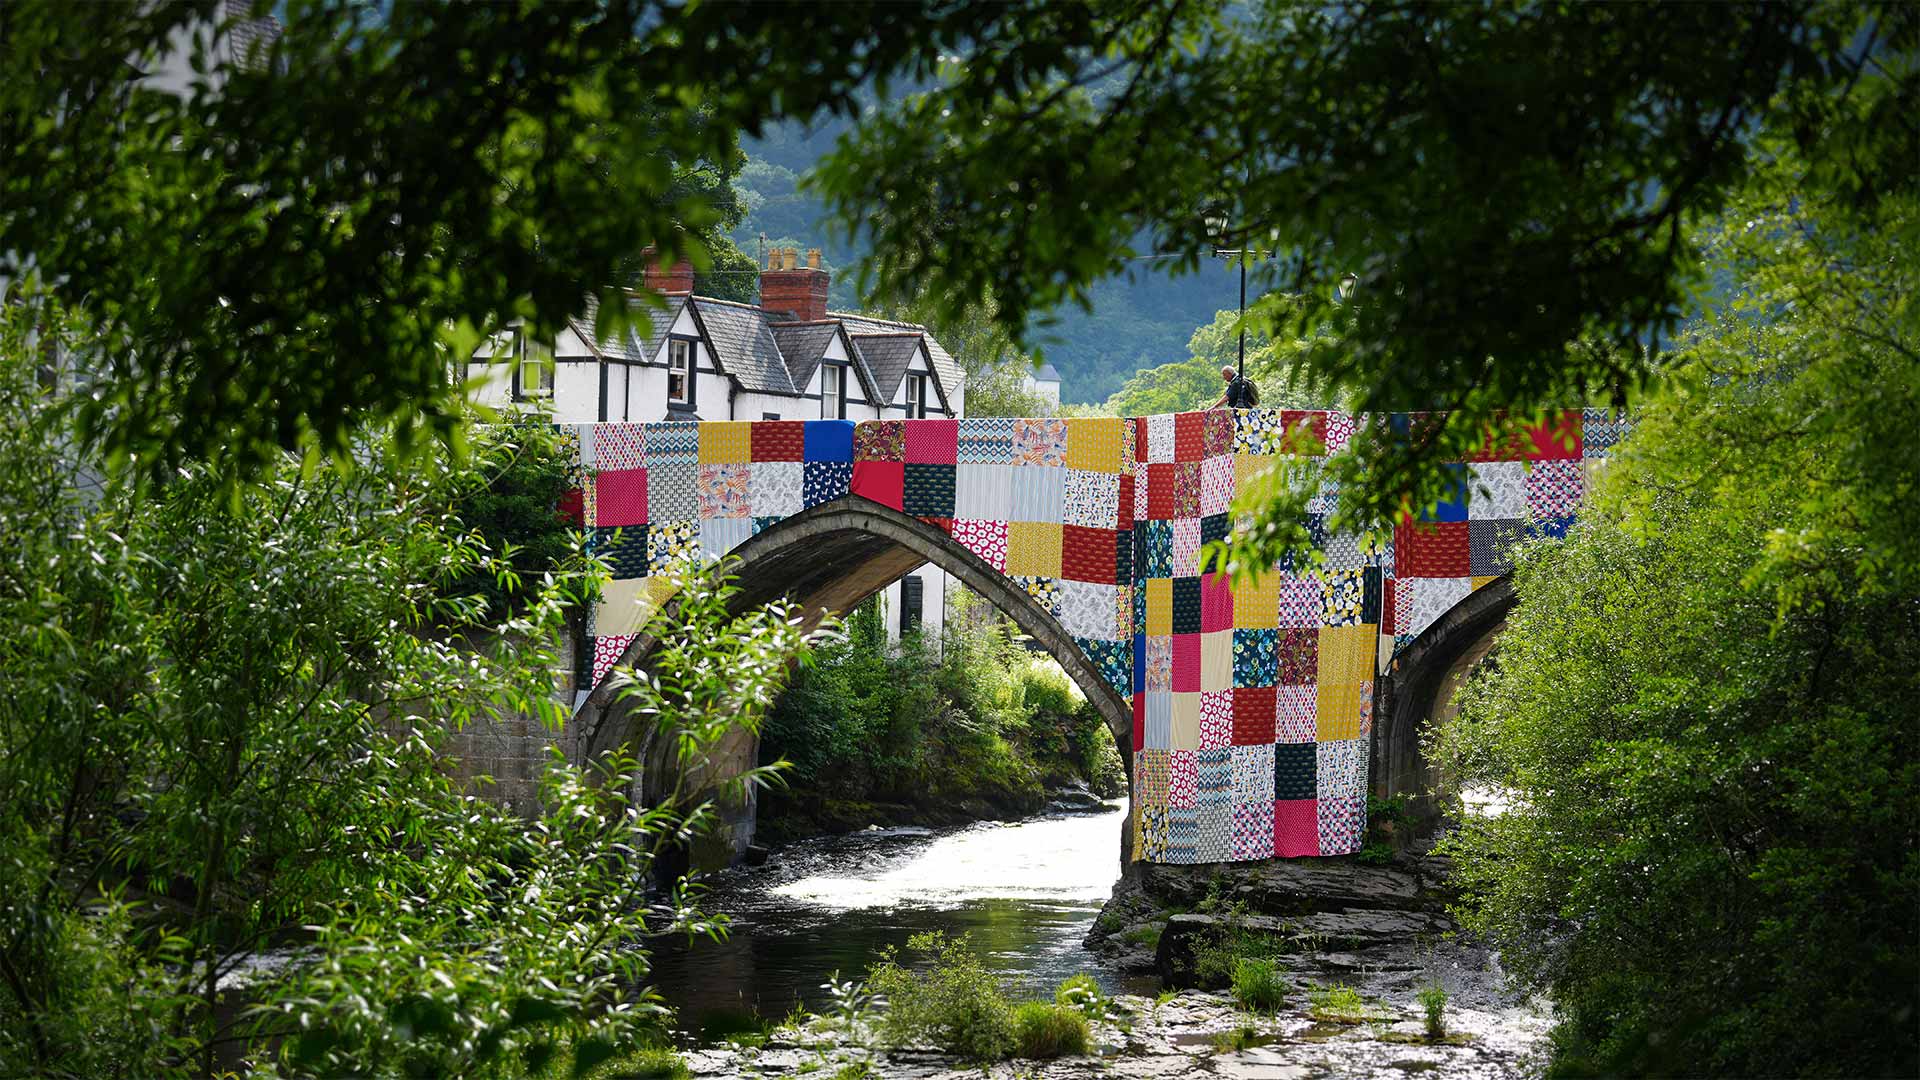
(1047, 373)
(743, 345)
(888, 356)
(944, 365)
(803, 344)
(627, 345)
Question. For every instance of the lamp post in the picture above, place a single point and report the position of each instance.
(1217, 226)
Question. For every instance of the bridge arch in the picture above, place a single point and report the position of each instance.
(1420, 685)
(827, 559)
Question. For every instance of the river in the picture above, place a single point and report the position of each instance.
(1026, 892)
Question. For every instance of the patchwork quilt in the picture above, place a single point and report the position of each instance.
(1252, 704)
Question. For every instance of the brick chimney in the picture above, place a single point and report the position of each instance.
(677, 280)
(799, 291)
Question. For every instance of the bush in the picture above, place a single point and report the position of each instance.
(1433, 1001)
(1082, 992)
(1340, 1004)
(1043, 1030)
(954, 1004)
(1257, 985)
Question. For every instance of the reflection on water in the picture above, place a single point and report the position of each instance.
(1026, 892)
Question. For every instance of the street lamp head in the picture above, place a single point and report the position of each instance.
(1216, 221)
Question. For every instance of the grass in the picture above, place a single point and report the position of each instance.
(1143, 935)
(645, 1063)
(1257, 985)
(949, 999)
(1045, 1030)
(1243, 1037)
(1340, 1004)
(1433, 1000)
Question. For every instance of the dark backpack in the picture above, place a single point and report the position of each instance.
(1242, 394)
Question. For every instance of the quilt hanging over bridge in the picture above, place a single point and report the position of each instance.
(1252, 703)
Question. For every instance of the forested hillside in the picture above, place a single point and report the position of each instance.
(1140, 321)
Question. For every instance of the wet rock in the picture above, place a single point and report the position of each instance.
(755, 855)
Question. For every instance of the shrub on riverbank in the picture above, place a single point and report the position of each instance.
(971, 727)
(1704, 702)
(949, 1000)
(1046, 1030)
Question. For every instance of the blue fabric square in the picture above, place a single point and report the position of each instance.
(825, 481)
(1453, 504)
(1139, 660)
(1110, 657)
(1255, 663)
(829, 440)
(1157, 549)
(1555, 527)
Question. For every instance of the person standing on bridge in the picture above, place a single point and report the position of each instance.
(1240, 393)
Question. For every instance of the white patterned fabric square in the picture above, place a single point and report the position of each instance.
(721, 535)
(1498, 490)
(1554, 488)
(1216, 720)
(613, 446)
(1039, 492)
(1092, 499)
(1216, 485)
(1159, 719)
(987, 539)
(1340, 428)
(1432, 598)
(1086, 608)
(774, 488)
(1183, 778)
(1294, 714)
(1186, 547)
(983, 492)
(1160, 437)
(1252, 774)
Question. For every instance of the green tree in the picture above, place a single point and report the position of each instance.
(1703, 704)
(220, 738)
(1195, 383)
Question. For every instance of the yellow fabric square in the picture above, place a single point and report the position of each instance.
(1256, 603)
(1216, 661)
(1186, 722)
(1337, 711)
(1033, 549)
(1482, 581)
(1159, 606)
(1347, 653)
(624, 605)
(726, 442)
(1093, 443)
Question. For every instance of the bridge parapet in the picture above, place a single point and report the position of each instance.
(1252, 706)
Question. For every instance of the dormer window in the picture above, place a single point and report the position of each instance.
(532, 369)
(680, 371)
(833, 392)
(916, 396)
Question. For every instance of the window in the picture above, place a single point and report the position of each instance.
(916, 396)
(833, 397)
(769, 416)
(680, 372)
(912, 591)
(533, 369)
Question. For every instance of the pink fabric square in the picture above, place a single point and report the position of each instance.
(1183, 779)
(1300, 604)
(1296, 827)
(987, 539)
(1186, 663)
(607, 652)
(1186, 547)
(1216, 485)
(1294, 722)
(933, 442)
(1216, 720)
(1216, 602)
(620, 497)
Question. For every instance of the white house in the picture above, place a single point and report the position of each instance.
(787, 358)
(1045, 385)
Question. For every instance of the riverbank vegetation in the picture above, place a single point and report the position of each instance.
(1703, 707)
(231, 841)
(965, 727)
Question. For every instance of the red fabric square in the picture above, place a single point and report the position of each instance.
(1087, 554)
(1162, 489)
(1253, 712)
(1186, 663)
(1126, 502)
(1431, 549)
(1556, 439)
(572, 507)
(1296, 828)
(1218, 437)
(1139, 727)
(944, 524)
(1386, 604)
(1139, 439)
(620, 497)
(1189, 436)
(779, 440)
(1216, 602)
(933, 442)
(884, 482)
(1314, 423)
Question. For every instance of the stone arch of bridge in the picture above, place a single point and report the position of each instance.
(1420, 687)
(827, 559)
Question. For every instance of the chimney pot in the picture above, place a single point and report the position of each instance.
(788, 288)
(813, 258)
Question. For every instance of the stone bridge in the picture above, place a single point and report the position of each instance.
(1259, 716)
